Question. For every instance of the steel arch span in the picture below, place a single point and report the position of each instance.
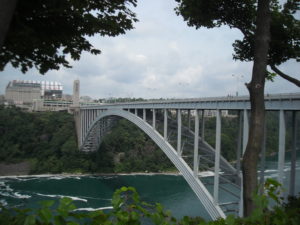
(197, 186)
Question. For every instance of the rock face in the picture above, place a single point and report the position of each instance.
(22, 168)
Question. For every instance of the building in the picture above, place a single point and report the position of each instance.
(26, 93)
(22, 93)
(51, 90)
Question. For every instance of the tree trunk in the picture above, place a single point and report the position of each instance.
(256, 90)
(7, 8)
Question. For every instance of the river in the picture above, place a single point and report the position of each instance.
(95, 192)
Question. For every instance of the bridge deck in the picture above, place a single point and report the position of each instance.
(272, 102)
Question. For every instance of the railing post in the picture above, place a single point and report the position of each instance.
(154, 119)
(196, 142)
(166, 124)
(179, 132)
(217, 157)
(281, 153)
(293, 155)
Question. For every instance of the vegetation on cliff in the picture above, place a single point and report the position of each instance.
(48, 141)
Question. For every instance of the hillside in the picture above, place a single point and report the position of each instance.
(48, 141)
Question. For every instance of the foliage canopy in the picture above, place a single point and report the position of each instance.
(44, 33)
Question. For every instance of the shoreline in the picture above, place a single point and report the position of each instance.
(22, 169)
(91, 174)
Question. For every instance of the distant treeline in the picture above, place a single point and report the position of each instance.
(48, 141)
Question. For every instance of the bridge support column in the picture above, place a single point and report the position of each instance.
(98, 133)
(84, 122)
(293, 156)
(165, 124)
(281, 153)
(196, 142)
(136, 112)
(202, 125)
(217, 157)
(76, 114)
(90, 119)
(189, 119)
(144, 114)
(245, 130)
(179, 132)
(154, 119)
(81, 126)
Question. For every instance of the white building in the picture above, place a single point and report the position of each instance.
(22, 92)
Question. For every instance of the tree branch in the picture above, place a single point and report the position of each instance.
(285, 76)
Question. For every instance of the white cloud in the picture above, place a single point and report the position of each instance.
(161, 57)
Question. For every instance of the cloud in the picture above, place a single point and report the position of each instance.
(161, 57)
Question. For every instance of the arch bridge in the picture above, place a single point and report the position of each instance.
(177, 126)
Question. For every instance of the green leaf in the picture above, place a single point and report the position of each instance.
(230, 220)
(124, 189)
(270, 76)
(116, 201)
(135, 216)
(59, 220)
(72, 223)
(45, 215)
(66, 205)
(47, 204)
(30, 220)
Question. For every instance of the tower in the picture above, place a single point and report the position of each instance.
(76, 94)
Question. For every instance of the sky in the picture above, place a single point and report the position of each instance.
(161, 58)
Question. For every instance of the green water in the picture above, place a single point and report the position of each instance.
(94, 192)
